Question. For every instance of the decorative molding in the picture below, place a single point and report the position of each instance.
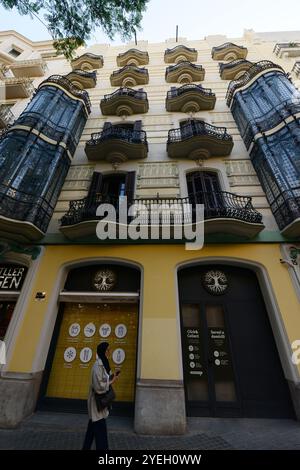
(158, 175)
(241, 173)
(78, 178)
(291, 257)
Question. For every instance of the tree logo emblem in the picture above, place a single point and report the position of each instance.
(105, 280)
(215, 282)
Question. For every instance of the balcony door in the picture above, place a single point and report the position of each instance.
(109, 188)
(204, 188)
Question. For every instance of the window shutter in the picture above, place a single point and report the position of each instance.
(130, 185)
(95, 188)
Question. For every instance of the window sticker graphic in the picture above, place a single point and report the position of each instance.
(120, 331)
(74, 330)
(105, 330)
(86, 355)
(118, 356)
(70, 354)
(89, 330)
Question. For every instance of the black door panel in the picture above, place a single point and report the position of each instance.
(239, 357)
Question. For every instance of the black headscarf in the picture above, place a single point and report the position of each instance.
(101, 350)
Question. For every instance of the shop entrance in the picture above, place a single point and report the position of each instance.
(111, 315)
(231, 363)
(12, 277)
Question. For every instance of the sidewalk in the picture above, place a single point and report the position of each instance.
(66, 431)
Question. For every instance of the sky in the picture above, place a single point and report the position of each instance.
(195, 19)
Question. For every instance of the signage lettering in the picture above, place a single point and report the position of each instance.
(12, 277)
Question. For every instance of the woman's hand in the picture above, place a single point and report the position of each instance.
(115, 377)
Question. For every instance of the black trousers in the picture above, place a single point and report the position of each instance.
(96, 430)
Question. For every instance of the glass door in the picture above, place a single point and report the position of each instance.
(210, 382)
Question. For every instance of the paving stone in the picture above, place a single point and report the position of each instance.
(66, 431)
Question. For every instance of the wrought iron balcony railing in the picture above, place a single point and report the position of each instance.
(68, 86)
(136, 52)
(174, 92)
(124, 91)
(184, 63)
(286, 207)
(30, 63)
(85, 73)
(201, 128)
(91, 56)
(25, 83)
(180, 46)
(226, 45)
(6, 116)
(232, 64)
(296, 69)
(160, 211)
(257, 68)
(115, 132)
(21, 206)
(129, 68)
(289, 46)
(94, 60)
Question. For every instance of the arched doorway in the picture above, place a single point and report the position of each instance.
(99, 302)
(230, 360)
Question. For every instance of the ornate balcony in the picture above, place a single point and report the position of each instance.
(133, 57)
(87, 61)
(198, 140)
(296, 69)
(190, 98)
(287, 49)
(125, 101)
(29, 68)
(256, 69)
(223, 213)
(234, 69)
(184, 72)
(6, 116)
(63, 82)
(18, 88)
(229, 51)
(129, 76)
(82, 79)
(179, 54)
(286, 209)
(117, 144)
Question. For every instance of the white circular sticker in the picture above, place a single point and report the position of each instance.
(89, 330)
(191, 348)
(216, 353)
(70, 354)
(105, 330)
(121, 331)
(192, 357)
(217, 362)
(86, 355)
(118, 356)
(74, 330)
(192, 365)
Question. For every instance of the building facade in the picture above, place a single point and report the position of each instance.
(164, 126)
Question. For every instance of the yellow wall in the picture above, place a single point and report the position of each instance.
(161, 349)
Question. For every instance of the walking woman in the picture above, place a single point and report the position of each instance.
(100, 382)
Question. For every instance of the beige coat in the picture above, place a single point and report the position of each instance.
(99, 383)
